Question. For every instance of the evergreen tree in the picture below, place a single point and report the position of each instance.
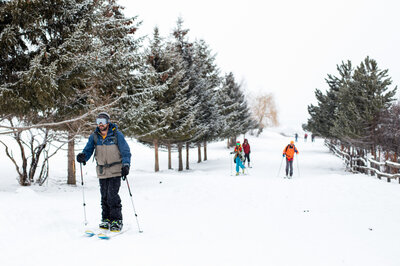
(361, 101)
(324, 115)
(205, 87)
(70, 57)
(184, 128)
(233, 109)
(388, 130)
(152, 115)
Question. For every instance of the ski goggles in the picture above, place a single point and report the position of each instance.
(101, 121)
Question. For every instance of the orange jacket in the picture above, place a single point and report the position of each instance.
(289, 151)
(238, 148)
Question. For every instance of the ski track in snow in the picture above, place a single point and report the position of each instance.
(206, 216)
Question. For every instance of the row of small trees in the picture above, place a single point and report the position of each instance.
(358, 109)
(189, 102)
(64, 60)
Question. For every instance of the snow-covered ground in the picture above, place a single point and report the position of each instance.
(206, 216)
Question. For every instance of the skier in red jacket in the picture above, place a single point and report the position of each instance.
(246, 149)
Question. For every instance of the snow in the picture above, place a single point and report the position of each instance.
(206, 216)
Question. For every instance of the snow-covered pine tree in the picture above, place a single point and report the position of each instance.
(235, 115)
(99, 58)
(150, 114)
(205, 85)
(184, 128)
(76, 55)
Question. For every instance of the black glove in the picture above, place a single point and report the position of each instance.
(124, 171)
(81, 158)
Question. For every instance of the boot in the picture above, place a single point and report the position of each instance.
(243, 170)
(105, 224)
(116, 226)
(237, 173)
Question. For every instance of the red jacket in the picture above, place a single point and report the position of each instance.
(246, 148)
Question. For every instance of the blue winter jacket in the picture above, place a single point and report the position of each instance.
(109, 140)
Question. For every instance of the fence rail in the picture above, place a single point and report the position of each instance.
(367, 166)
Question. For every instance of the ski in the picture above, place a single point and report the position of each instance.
(104, 233)
(89, 233)
(108, 235)
(92, 232)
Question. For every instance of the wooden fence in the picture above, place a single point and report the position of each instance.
(358, 164)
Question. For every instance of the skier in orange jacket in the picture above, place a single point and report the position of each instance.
(288, 152)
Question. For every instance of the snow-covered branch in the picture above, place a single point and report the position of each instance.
(68, 121)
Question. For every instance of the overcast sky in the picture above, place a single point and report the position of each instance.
(283, 47)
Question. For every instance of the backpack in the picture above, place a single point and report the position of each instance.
(96, 138)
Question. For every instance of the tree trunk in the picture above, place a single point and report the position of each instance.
(232, 142)
(187, 155)
(180, 167)
(169, 156)
(23, 177)
(156, 165)
(205, 150)
(71, 160)
(199, 152)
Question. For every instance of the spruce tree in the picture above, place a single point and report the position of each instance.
(361, 100)
(151, 115)
(205, 86)
(183, 129)
(324, 114)
(70, 57)
(233, 109)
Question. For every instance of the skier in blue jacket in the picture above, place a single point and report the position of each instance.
(113, 159)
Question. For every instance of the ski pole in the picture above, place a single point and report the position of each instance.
(133, 205)
(280, 168)
(298, 169)
(231, 159)
(83, 196)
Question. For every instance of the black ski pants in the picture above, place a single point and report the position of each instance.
(289, 167)
(110, 200)
(247, 156)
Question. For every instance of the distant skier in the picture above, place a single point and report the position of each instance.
(312, 137)
(296, 136)
(246, 149)
(113, 159)
(305, 137)
(288, 152)
(238, 159)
